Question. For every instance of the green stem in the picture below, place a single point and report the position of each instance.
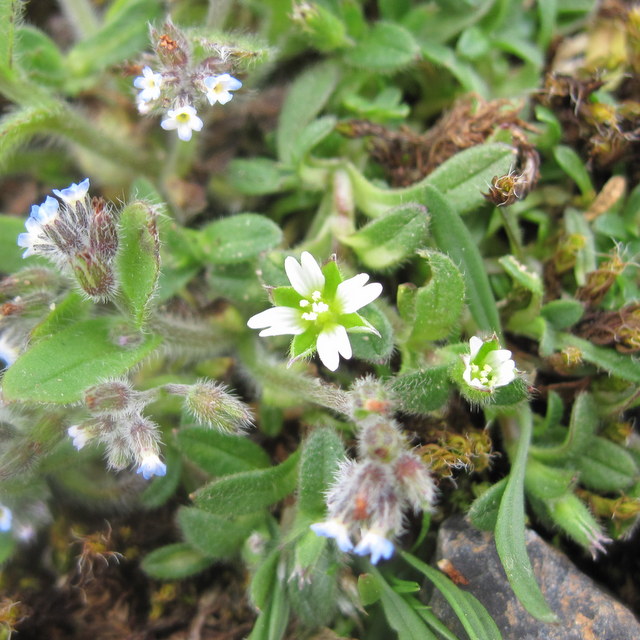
(82, 17)
(217, 13)
(268, 373)
(512, 232)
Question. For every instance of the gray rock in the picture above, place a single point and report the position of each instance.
(586, 612)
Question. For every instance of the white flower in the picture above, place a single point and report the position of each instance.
(80, 436)
(184, 119)
(43, 214)
(336, 530)
(73, 193)
(219, 88)
(487, 367)
(151, 465)
(322, 314)
(149, 83)
(375, 544)
(5, 518)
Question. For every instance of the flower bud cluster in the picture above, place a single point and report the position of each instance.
(211, 404)
(117, 422)
(181, 83)
(78, 234)
(369, 496)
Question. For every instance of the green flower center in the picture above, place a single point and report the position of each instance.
(486, 375)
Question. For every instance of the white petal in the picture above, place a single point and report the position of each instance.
(328, 350)
(474, 346)
(305, 277)
(342, 340)
(169, 124)
(184, 132)
(506, 374)
(352, 294)
(277, 321)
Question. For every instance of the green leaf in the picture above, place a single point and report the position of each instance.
(433, 310)
(391, 238)
(483, 512)
(573, 166)
(122, 36)
(314, 133)
(213, 535)
(273, 619)
(606, 466)
(545, 482)
(321, 454)
(453, 237)
(369, 589)
(385, 48)
(582, 427)
(259, 176)
(400, 615)
(68, 311)
(239, 238)
(58, 369)
(174, 562)
(617, 364)
(138, 259)
(474, 617)
(249, 491)
(562, 314)
(8, 545)
(510, 529)
(367, 346)
(461, 179)
(221, 454)
(443, 56)
(522, 275)
(39, 56)
(306, 98)
(422, 391)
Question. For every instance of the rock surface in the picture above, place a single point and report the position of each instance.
(585, 611)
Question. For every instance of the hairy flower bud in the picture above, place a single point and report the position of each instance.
(370, 395)
(109, 398)
(211, 404)
(380, 439)
(415, 478)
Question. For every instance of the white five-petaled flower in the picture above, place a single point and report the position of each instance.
(336, 530)
(375, 544)
(5, 518)
(324, 316)
(219, 88)
(185, 120)
(151, 465)
(149, 84)
(487, 367)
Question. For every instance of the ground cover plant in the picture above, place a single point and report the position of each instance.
(285, 284)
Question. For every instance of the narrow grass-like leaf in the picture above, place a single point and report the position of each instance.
(453, 237)
(623, 366)
(400, 615)
(510, 529)
(472, 614)
(59, 368)
(573, 166)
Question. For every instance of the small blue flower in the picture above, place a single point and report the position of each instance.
(80, 436)
(73, 193)
(149, 84)
(5, 518)
(336, 530)
(376, 545)
(151, 465)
